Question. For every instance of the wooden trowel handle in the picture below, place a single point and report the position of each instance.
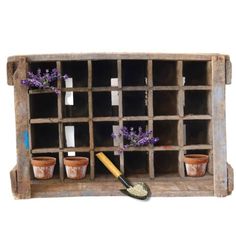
(109, 165)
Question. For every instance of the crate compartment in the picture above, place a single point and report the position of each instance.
(76, 134)
(44, 135)
(102, 105)
(43, 105)
(196, 102)
(165, 162)
(195, 73)
(77, 70)
(100, 169)
(34, 66)
(79, 104)
(103, 71)
(134, 72)
(56, 172)
(134, 103)
(164, 73)
(102, 133)
(166, 131)
(136, 163)
(196, 132)
(164, 103)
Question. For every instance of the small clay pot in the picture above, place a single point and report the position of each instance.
(43, 167)
(196, 164)
(76, 167)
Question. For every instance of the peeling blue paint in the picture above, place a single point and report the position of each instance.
(26, 139)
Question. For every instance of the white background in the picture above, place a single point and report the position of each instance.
(31, 27)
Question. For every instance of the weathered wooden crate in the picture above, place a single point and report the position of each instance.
(180, 97)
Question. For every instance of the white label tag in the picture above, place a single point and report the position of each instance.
(70, 136)
(71, 154)
(69, 83)
(69, 98)
(114, 82)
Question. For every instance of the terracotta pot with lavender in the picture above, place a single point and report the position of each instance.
(43, 167)
(196, 164)
(76, 167)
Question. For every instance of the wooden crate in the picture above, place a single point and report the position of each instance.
(181, 97)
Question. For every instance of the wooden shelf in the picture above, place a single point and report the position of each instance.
(169, 185)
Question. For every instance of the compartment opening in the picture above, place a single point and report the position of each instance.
(79, 107)
(196, 102)
(196, 132)
(134, 72)
(195, 72)
(166, 130)
(164, 103)
(43, 105)
(136, 163)
(102, 105)
(77, 70)
(134, 103)
(44, 135)
(165, 162)
(76, 135)
(103, 71)
(102, 133)
(164, 73)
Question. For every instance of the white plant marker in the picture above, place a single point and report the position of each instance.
(69, 97)
(70, 136)
(116, 140)
(114, 94)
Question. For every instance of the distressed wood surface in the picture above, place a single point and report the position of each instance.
(228, 71)
(120, 113)
(10, 72)
(230, 176)
(90, 111)
(166, 186)
(22, 130)
(114, 56)
(219, 126)
(14, 185)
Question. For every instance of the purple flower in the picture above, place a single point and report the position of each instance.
(136, 138)
(43, 81)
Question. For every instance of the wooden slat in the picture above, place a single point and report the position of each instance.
(165, 88)
(43, 120)
(13, 176)
(180, 110)
(197, 87)
(22, 130)
(10, 73)
(219, 126)
(45, 150)
(197, 117)
(115, 56)
(228, 71)
(40, 91)
(76, 149)
(75, 120)
(150, 117)
(166, 117)
(230, 178)
(61, 166)
(108, 118)
(90, 110)
(198, 147)
(120, 111)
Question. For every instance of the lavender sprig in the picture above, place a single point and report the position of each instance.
(135, 138)
(43, 81)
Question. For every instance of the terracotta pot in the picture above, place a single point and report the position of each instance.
(43, 167)
(76, 167)
(196, 164)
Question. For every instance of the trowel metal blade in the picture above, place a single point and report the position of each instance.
(124, 191)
